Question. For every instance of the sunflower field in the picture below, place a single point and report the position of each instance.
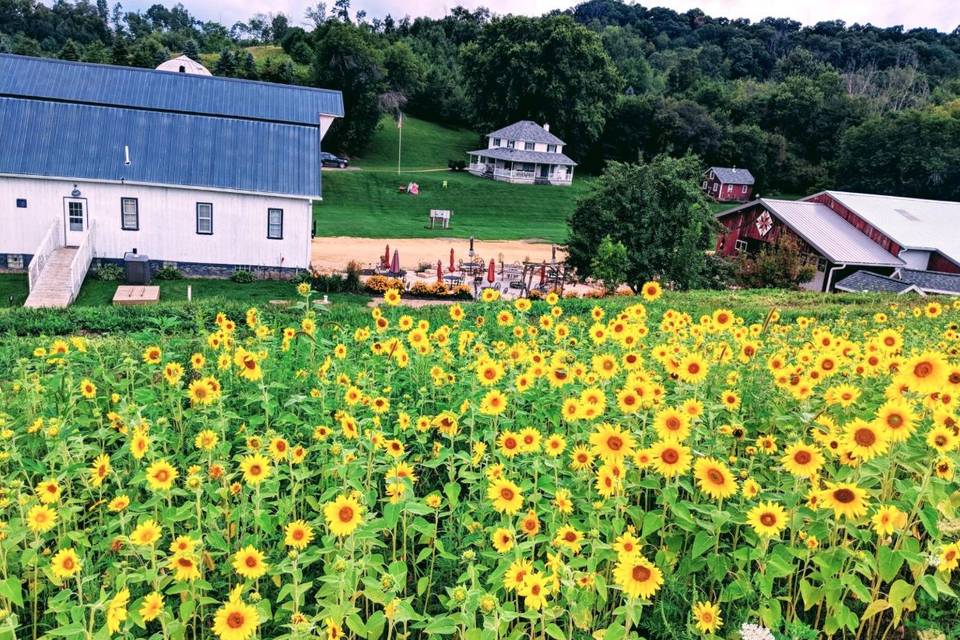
(523, 470)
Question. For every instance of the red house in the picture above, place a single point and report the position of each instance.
(728, 184)
(902, 239)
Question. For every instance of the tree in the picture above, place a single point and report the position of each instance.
(191, 50)
(656, 211)
(610, 264)
(777, 266)
(226, 64)
(404, 69)
(70, 51)
(346, 60)
(279, 25)
(549, 69)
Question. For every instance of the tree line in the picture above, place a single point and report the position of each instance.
(853, 107)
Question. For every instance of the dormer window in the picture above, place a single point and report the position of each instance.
(496, 142)
(528, 146)
(551, 148)
(511, 144)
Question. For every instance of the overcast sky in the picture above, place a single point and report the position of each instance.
(941, 14)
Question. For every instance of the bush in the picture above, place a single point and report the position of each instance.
(109, 272)
(168, 273)
(379, 284)
(778, 266)
(242, 277)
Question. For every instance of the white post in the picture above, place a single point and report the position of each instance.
(189, 292)
(399, 141)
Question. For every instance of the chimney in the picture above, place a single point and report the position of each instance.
(546, 127)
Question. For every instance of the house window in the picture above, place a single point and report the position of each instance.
(511, 144)
(75, 216)
(21, 203)
(740, 245)
(496, 142)
(743, 188)
(129, 214)
(716, 186)
(551, 148)
(205, 218)
(821, 264)
(14, 261)
(528, 146)
(275, 224)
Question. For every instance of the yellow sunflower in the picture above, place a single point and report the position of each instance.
(298, 534)
(802, 460)
(611, 443)
(707, 617)
(343, 515)
(768, 519)
(637, 577)
(248, 562)
(670, 458)
(865, 440)
(256, 468)
(714, 478)
(505, 496)
(846, 499)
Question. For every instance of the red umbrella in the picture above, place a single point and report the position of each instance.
(491, 272)
(386, 257)
(439, 271)
(451, 259)
(543, 273)
(395, 267)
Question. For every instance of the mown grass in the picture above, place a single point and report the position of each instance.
(13, 289)
(426, 145)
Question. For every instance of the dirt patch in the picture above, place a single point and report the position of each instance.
(333, 253)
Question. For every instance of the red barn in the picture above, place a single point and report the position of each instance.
(728, 184)
(844, 233)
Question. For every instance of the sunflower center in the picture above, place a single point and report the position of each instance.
(865, 437)
(345, 514)
(844, 496)
(670, 456)
(715, 476)
(235, 620)
(768, 519)
(640, 573)
(162, 475)
(506, 493)
(802, 457)
(615, 443)
(922, 369)
(251, 561)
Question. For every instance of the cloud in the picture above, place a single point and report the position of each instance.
(940, 14)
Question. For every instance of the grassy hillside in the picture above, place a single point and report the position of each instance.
(366, 203)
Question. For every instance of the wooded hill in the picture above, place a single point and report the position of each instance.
(846, 106)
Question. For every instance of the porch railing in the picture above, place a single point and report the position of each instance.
(81, 262)
(52, 241)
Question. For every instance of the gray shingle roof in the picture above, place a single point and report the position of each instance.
(932, 281)
(861, 281)
(102, 84)
(732, 175)
(526, 130)
(519, 155)
(80, 141)
(828, 233)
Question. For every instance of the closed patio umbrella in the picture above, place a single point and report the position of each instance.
(451, 259)
(439, 271)
(386, 257)
(395, 266)
(491, 271)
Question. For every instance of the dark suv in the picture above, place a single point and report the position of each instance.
(331, 160)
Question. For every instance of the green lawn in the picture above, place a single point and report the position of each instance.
(15, 285)
(96, 292)
(366, 204)
(425, 146)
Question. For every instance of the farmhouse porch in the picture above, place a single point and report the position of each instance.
(520, 172)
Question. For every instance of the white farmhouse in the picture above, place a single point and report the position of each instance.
(523, 152)
(206, 174)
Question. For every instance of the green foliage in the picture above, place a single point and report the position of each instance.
(777, 266)
(544, 69)
(168, 273)
(610, 263)
(659, 214)
(109, 272)
(241, 276)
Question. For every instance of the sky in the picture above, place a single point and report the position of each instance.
(941, 14)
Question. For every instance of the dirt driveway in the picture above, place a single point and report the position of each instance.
(333, 253)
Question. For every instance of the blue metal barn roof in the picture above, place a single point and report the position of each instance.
(56, 139)
(100, 84)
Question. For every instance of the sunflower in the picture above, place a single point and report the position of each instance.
(707, 618)
(248, 562)
(493, 403)
(509, 443)
(944, 469)
(611, 443)
(865, 440)
(100, 469)
(627, 544)
(343, 515)
(235, 620)
(580, 458)
(802, 460)
(534, 591)
(516, 573)
(505, 496)
(530, 524)
(152, 355)
(48, 491)
(88, 389)
(845, 499)
(692, 368)
(949, 557)
(670, 458)
(161, 475)
(924, 373)
(502, 540)
(887, 520)
(672, 424)
(184, 566)
(298, 534)
(554, 445)
(256, 468)
(897, 419)
(65, 563)
(942, 438)
(768, 519)
(569, 538)
(151, 607)
(651, 290)
(147, 533)
(637, 576)
(714, 478)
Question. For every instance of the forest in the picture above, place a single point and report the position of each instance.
(828, 105)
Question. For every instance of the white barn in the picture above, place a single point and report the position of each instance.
(206, 174)
(523, 152)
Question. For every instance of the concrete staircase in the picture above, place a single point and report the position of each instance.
(53, 288)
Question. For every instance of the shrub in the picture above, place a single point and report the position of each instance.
(242, 277)
(109, 272)
(379, 284)
(780, 266)
(168, 273)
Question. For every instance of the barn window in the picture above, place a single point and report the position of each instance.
(21, 203)
(743, 188)
(716, 186)
(129, 214)
(821, 264)
(14, 261)
(205, 218)
(275, 224)
(740, 245)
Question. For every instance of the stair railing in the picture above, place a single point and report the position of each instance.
(52, 241)
(80, 264)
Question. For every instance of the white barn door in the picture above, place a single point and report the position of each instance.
(74, 221)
